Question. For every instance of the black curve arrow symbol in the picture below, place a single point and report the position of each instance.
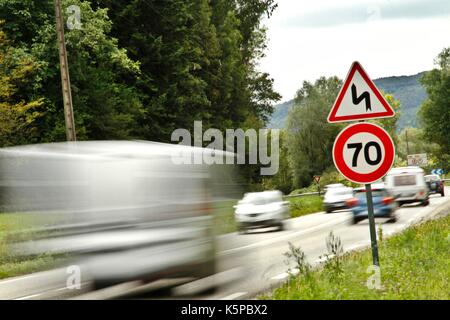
(364, 96)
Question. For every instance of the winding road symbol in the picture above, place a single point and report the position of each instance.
(364, 96)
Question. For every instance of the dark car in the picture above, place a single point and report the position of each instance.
(435, 184)
(384, 205)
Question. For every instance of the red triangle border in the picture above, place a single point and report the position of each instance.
(356, 66)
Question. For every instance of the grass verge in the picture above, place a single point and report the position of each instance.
(301, 206)
(415, 264)
(11, 266)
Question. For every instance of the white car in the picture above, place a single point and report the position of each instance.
(261, 209)
(407, 185)
(336, 196)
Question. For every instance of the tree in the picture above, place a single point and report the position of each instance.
(390, 124)
(282, 180)
(105, 107)
(198, 61)
(435, 111)
(412, 140)
(18, 114)
(310, 137)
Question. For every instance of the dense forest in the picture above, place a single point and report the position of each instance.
(138, 69)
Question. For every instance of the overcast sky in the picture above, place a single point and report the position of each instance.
(313, 38)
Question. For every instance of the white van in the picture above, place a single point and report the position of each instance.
(407, 185)
(123, 210)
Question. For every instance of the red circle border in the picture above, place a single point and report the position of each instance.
(338, 154)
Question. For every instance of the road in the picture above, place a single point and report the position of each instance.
(248, 264)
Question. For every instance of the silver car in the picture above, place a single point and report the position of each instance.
(261, 209)
(336, 196)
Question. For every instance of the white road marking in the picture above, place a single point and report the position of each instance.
(234, 296)
(281, 276)
(286, 236)
(29, 297)
(284, 275)
(17, 279)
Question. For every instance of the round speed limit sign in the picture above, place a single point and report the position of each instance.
(363, 152)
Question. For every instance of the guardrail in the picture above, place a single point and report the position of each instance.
(303, 194)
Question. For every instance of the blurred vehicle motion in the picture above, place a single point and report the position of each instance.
(336, 196)
(261, 209)
(123, 210)
(435, 184)
(407, 185)
(384, 205)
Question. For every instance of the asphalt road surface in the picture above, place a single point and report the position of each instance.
(248, 264)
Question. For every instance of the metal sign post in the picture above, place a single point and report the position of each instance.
(373, 234)
(362, 152)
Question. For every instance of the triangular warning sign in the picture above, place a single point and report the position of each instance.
(359, 99)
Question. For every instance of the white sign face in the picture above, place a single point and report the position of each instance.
(417, 159)
(359, 99)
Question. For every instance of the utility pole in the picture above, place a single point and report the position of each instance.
(407, 143)
(65, 79)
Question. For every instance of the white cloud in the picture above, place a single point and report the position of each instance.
(385, 46)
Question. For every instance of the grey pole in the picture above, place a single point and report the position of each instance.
(373, 235)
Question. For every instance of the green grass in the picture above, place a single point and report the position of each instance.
(224, 217)
(414, 265)
(10, 265)
(300, 206)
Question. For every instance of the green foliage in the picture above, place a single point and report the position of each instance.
(298, 256)
(104, 106)
(18, 113)
(12, 265)
(334, 258)
(282, 180)
(414, 265)
(198, 62)
(390, 124)
(304, 205)
(435, 112)
(140, 69)
(416, 144)
(310, 137)
(331, 175)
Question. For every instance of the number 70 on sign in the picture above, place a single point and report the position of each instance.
(363, 152)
